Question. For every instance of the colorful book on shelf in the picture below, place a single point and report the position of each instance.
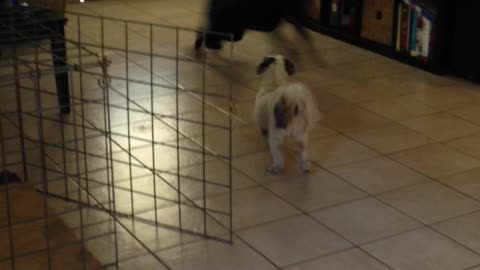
(420, 33)
(404, 26)
(335, 13)
(420, 29)
(428, 18)
(425, 10)
(413, 31)
(427, 32)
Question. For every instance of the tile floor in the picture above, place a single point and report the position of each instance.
(396, 163)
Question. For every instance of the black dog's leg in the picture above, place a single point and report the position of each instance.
(212, 42)
(199, 41)
(199, 50)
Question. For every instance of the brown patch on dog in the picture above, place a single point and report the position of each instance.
(284, 113)
(289, 67)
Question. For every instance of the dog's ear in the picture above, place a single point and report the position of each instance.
(289, 67)
(267, 61)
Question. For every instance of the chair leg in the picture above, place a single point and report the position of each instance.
(59, 53)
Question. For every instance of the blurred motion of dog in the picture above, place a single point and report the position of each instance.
(235, 17)
(284, 109)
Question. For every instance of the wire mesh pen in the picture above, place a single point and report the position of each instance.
(117, 165)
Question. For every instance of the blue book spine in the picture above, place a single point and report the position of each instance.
(413, 32)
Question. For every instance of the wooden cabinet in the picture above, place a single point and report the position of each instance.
(377, 20)
(313, 9)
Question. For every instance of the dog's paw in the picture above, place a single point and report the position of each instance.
(305, 168)
(274, 170)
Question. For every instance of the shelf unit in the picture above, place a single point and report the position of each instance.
(438, 63)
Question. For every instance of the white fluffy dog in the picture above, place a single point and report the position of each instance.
(284, 109)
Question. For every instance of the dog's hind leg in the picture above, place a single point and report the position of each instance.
(302, 141)
(199, 46)
(275, 140)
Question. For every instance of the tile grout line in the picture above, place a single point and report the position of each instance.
(328, 254)
(388, 156)
(308, 215)
(437, 141)
(423, 224)
(474, 212)
(287, 201)
(257, 251)
(401, 211)
(446, 111)
(473, 267)
(301, 212)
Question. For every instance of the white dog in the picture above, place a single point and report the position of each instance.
(284, 109)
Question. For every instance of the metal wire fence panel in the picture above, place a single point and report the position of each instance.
(104, 142)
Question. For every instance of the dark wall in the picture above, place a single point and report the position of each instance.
(465, 55)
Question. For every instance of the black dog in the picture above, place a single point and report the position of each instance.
(234, 17)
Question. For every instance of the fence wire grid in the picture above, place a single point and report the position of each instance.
(105, 142)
